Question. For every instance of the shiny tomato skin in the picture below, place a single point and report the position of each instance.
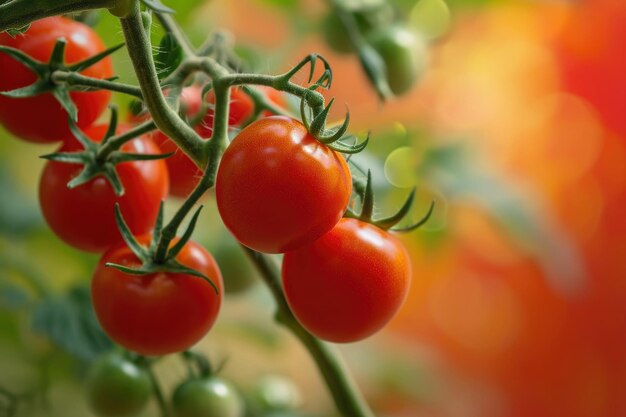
(349, 283)
(184, 174)
(41, 119)
(159, 313)
(84, 217)
(279, 188)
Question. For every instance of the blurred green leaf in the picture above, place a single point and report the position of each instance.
(13, 297)
(70, 323)
(18, 215)
(168, 56)
(519, 210)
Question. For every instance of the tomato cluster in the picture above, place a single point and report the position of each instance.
(132, 309)
(282, 187)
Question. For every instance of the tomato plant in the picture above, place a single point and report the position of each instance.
(278, 188)
(349, 283)
(404, 54)
(117, 387)
(83, 217)
(207, 397)
(159, 313)
(16, 114)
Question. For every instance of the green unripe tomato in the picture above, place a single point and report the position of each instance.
(207, 397)
(404, 54)
(237, 271)
(275, 393)
(117, 387)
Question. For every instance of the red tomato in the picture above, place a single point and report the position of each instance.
(184, 174)
(349, 283)
(17, 115)
(158, 313)
(279, 188)
(84, 217)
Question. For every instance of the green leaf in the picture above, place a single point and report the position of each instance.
(13, 32)
(168, 57)
(18, 214)
(69, 322)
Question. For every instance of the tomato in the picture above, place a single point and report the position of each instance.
(273, 393)
(348, 284)
(41, 118)
(117, 387)
(84, 217)
(207, 397)
(278, 187)
(404, 55)
(238, 272)
(184, 174)
(160, 313)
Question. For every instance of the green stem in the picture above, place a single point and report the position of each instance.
(166, 119)
(18, 13)
(314, 99)
(158, 392)
(75, 79)
(347, 396)
(116, 142)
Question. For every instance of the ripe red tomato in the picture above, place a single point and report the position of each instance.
(17, 115)
(184, 174)
(158, 313)
(83, 217)
(349, 283)
(279, 188)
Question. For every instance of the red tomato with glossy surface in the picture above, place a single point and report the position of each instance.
(41, 118)
(279, 188)
(84, 217)
(184, 174)
(158, 313)
(349, 283)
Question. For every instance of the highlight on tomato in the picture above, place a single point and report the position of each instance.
(84, 216)
(16, 114)
(157, 313)
(348, 284)
(279, 188)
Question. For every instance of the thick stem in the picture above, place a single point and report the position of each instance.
(347, 396)
(166, 119)
(18, 13)
(116, 142)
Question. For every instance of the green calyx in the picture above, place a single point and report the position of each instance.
(100, 159)
(151, 262)
(366, 193)
(44, 71)
(335, 138)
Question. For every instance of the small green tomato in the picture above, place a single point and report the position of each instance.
(404, 54)
(117, 387)
(207, 397)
